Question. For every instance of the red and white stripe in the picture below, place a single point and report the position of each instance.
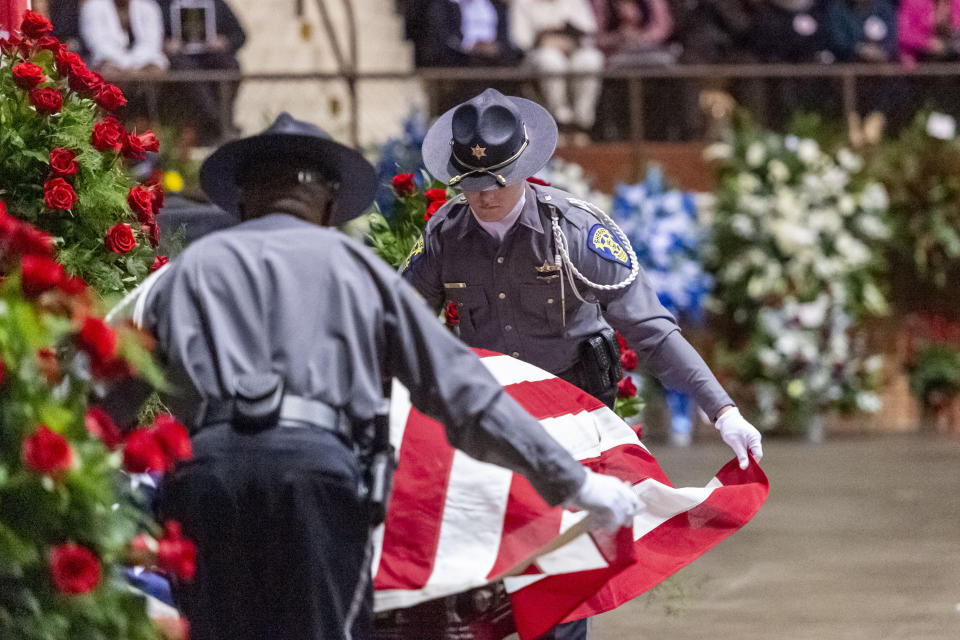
(455, 523)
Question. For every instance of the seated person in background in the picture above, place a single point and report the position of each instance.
(203, 35)
(123, 35)
(467, 32)
(65, 17)
(862, 30)
(634, 32)
(712, 31)
(557, 36)
(790, 31)
(929, 30)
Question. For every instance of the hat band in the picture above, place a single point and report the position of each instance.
(488, 170)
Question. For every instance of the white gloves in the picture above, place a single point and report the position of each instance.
(610, 501)
(740, 435)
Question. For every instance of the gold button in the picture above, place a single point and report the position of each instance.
(508, 328)
(549, 300)
(515, 354)
(500, 260)
(501, 295)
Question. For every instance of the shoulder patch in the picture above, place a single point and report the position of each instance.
(417, 250)
(602, 242)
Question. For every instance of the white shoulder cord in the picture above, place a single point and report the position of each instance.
(563, 253)
(137, 297)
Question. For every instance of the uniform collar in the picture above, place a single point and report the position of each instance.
(529, 215)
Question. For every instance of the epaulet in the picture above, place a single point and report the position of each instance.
(450, 208)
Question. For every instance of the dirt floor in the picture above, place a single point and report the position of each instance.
(859, 540)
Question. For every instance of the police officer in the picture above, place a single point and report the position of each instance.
(542, 276)
(276, 336)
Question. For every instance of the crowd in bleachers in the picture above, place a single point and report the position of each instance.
(151, 36)
(589, 35)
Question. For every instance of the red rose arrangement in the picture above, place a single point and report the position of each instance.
(53, 90)
(395, 234)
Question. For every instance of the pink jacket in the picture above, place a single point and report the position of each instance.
(915, 25)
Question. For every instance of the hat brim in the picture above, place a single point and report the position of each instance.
(356, 177)
(541, 131)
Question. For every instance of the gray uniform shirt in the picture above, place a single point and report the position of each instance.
(280, 294)
(509, 297)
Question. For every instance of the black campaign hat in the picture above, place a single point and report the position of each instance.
(491, 140)
(299, 141)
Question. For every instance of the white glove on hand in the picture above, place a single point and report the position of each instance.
(610, 501)
(740, 436)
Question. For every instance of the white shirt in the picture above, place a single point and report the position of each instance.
(531, 17)
(499, 228)
(108, 42)
(478, 22)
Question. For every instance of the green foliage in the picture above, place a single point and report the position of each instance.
(922, 176)
(935, 371)
(393, 238)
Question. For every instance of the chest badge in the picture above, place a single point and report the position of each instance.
(547, 271)
(602, 242)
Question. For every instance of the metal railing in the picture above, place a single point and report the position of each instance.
(847, 74)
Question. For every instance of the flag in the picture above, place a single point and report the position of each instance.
(455, 523)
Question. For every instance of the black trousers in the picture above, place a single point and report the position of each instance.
(280, 534)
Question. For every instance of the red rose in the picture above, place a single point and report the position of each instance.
(46, 451)
(152, 231)
(143, 551)
(101, 425)
(74, 569)
(10, 44)
(98, 339)
(133, 147)
(403, 183)
(58, 194)
(46, 100)
(158, 262)
(82, 79)
(432, 209)
(173, 438)
(176, 554)
(621, 341)
(626, 388)
(62, 162)
(436, 194)
(142, 452)
(27, 75)
(51, 43)
(35, 25)
(157, 192)
(629, 359)
(108, 135)
(542, 183)
(120, 238)
(49, 365)
(140, 200)
(38, 274)
(149, 141)
(68, 62)
(27, 240)
(73, 286)
(3, 372)
(109, 97)
(451, 314)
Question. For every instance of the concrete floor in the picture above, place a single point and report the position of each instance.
(859, 540)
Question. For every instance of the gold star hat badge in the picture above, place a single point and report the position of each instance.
(479, 152)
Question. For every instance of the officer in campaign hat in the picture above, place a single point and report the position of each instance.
(277, 336)
(543, 276)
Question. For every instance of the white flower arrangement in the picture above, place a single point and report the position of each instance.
(794, 250)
